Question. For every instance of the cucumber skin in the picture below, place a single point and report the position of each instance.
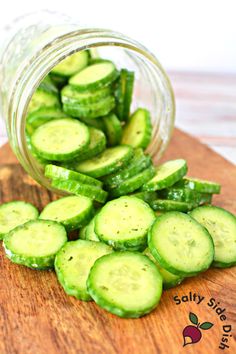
(93, 98)
(73, 223)
(147, 197)
(135, 166)
(107, 169)
(109, 306)
(128, 94)
(167, 182)
(38, 263)
(132, 184)
(147, 134)
(79, 111)
(186, 195)
(199, 186)
(58, 172)
(74, 187)
(166, 205)
(138, 244)
(162, 262)
(95, 150)
(113, 129)
(97, 84)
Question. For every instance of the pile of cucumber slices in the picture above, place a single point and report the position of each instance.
(140, 228)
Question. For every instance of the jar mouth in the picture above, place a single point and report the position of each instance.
(41, 63)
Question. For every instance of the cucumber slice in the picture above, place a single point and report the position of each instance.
(167, 174)
(94, 77)
(126, 284)
(199, 185)
(43, 98)
(92, 110)
(60, 139)
(73, 211)
(133, 183)
(138, 131)
(148, 197)
(96, 146)
(169, 280)
(94, 122)
(35, 243)
(48, 85)
(110, 160)
(90, 234)
(180, 244)
(15, 213)
(57, 172)
(82, 232)
(113, 129)
(124, 93)
(186, 195)
(73, 263)
(77, 188)
(72, 64)
(138, 163)
(41, 116)
(171, 205)
(123, 223)
(221, 225)
(70, 95)
(59, 81)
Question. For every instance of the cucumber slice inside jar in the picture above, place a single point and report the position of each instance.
(60, 139)
(70, 95)
(94, 76)
(113, 129)
(126, 284)
(72, 64)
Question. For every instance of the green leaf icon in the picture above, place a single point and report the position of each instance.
(193, 318)
(206, 325)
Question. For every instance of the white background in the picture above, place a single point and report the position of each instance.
(184, 34)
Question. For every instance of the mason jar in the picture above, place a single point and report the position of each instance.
(35, 43)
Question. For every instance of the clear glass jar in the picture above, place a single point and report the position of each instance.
(34, 44)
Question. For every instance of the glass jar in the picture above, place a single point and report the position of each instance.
(35, 43)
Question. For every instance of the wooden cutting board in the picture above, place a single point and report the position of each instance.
(36, 316)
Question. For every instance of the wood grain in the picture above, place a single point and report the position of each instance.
(37, 317)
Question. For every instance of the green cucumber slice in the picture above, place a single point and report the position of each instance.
(73, 263)
(35, 243)
(82, 232)
(70, 95)
(90, 234)
(139, 162)
(41, 116)
(138, 131)
(123, 223)
(94, 77)
(60, 139)
(15, 213)
(43, 98)
(171, 205)
(124, 92)
(59, 81)
(113, 129)
(221, 225)
(186, 195)
(72, 211)
(72, 64)
(77, 188)
(148, 197)
(126, 284)
(96, 146)
(200, 185)
(169, 280)
(48, 85)
(91, 111)
(132, 184)
(167, 174)
(180, 244)
(57, 172)
(110, 160)
(94, 122)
